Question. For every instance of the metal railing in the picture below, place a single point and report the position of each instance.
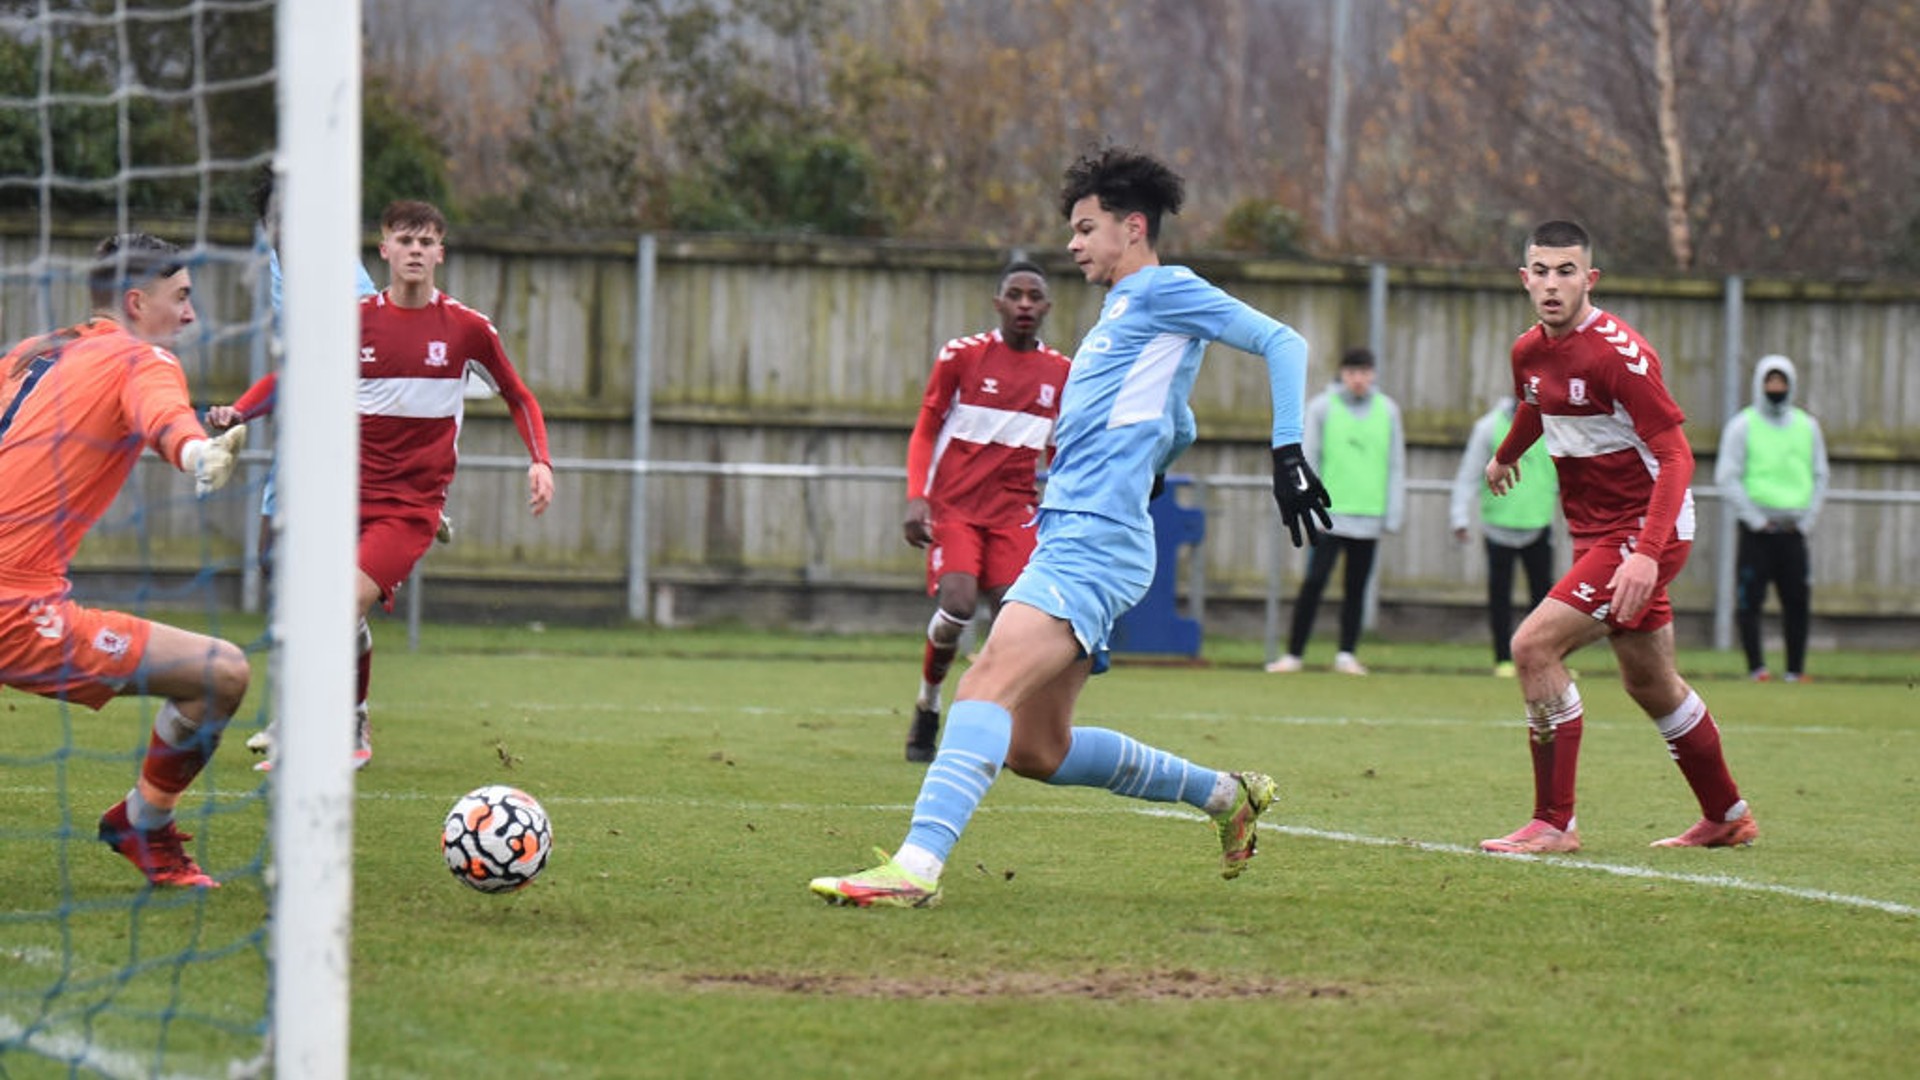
(638, 567)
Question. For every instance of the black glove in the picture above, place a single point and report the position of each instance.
(1301, 495)
(1159, 486)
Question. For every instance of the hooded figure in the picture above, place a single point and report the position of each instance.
(1772, 471)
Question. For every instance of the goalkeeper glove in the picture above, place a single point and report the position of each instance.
(1301, 495)
(211, 461)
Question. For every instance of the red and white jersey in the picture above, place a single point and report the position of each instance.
(76, 409)
(1601, 395)
(985, 419)
(413, 366)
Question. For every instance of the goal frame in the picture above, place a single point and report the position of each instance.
(318, 52)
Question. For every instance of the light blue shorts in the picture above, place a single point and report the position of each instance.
(1088, 570)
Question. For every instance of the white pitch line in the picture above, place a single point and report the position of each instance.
(81, 1052)
(1711, 881)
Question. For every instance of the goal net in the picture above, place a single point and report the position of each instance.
(159, 117)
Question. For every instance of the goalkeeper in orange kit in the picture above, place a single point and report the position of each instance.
(78, 408)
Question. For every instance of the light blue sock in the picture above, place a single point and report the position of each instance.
(972, 749)
(1126, 766)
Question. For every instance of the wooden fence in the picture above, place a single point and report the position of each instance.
(815, 352)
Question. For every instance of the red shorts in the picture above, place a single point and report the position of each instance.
(391, 544)
(58, 649)
(1585, 585)
(992, 555)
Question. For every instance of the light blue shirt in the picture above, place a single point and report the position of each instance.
(362, 281)
(1124, 414)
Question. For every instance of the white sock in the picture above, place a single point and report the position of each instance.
(919, 862)
(929, 696)
(143, 815)
(1225, 788)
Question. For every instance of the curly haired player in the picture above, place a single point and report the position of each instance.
(1124, 418)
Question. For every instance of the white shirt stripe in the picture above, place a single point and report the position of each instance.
(986, 425)
(1592, 436)
(421, 398)
(1596, 436)
(1143, 393)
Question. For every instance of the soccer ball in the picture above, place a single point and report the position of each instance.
(496, 838)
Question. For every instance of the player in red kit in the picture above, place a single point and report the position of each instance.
(77, 408)
(1593, 387)
(985, 419)
(417, 345)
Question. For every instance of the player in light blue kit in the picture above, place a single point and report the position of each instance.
(1124, 417)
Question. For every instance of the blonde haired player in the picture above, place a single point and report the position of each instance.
(417, 345)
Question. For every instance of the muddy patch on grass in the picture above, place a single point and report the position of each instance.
(1179, 985)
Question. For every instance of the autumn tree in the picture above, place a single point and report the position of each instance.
(399, 157)
(1733, 161)
(1719, 135)
(754, 137)
(511, 115)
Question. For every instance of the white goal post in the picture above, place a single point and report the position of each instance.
(318, 45)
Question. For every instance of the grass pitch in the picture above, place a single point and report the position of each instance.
(697, 780)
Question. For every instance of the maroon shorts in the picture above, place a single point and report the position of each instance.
(1585, 584)
(391, 543)
(992, 554)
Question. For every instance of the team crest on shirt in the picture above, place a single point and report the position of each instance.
(436, 354)
(110, 643)
(1046, 395)
(1576, 391)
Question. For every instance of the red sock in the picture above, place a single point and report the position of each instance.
(1701, 761)
(1556, 763)
(936, 662)
(172, 768)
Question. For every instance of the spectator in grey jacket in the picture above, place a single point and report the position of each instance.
(1772, 470)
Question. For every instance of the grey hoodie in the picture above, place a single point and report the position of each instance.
(1731, 465)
